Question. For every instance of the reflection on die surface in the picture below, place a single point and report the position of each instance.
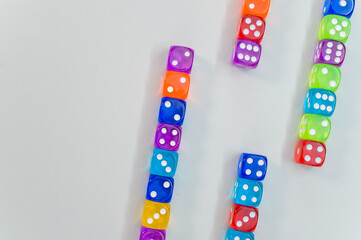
(252, 166)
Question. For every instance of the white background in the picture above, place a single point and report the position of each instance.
(80, 85)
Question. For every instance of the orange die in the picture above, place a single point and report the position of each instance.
(176, 85)
(256, 7)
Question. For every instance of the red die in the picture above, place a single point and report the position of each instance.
(310, 153)
(251, 28)
(243, 218)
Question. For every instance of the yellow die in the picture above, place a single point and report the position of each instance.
(156, 215)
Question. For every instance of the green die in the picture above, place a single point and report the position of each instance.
(325, 76)
(335, 27)
(314, 127)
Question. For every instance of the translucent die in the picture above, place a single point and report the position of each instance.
(310, 153)
(151, 234)
(164, 163)
(335, 27)
(246, 54)
(156, 215)
(315, 127)
(252, 166)
(339, 7)
(237, 235)
(243, 218)
(320, 101)
(258, 8)
(325, 76)
(247, 192)
(180, 59)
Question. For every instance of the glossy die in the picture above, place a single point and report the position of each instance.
(176, 85)
(246, 54)
(330, 52)
(172, 111)
(251, 28)
(320, 101)
(310, 153)
(156, 215)
(160, 188)
(237, 235)
(258, 8)
(339, 7)
(325, 76)
(247, 192)
(252, 166)
(168, 137)
(164, 163)
(243, 218)
(315, 127)
(180, 59)
(151, 234)
(335, 27)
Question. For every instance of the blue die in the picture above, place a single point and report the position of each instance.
(160, 189)
(252, 166)
(320, 101)
(339, 7)
(172, 111)
(164, 163)
(237, 235)
(247, 192)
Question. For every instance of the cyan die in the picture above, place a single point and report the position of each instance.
(320, 101)
(247, 192)
(164, 162)
(237, 235)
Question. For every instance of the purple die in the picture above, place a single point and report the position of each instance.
(330, 52)
(151, 234)
(246, 54)
(180, 59)
(168, 136)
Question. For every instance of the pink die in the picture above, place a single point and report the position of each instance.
(246, 54)
(180, 59)
(330, 52)
(168, 137)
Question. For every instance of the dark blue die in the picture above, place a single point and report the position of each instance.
(160, 188)
(252, 166)
(320, 101)
(172, 111)
(339, 7)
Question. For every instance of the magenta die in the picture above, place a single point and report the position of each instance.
(246, 54)
(168, 137)
(180, 59)
(151, 234)
(330, 52)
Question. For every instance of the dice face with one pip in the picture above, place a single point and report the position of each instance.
(247, 192)
(168, 137)
(164, 163)
(252, 166)
(246, 54)
(256, 7)
(160, 188)
(180, 59)
(243, 218)
(339, 7)
(156, 215)
(325, 76)
(310, 153)
(172, 111)
(176, 85)
(330, 52)
(335, 27)
(237, 235)
(315, 127)
(320, 101)
(151, 234)
(251, 28)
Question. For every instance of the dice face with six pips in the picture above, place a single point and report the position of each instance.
(246, 54)
(320, 101)
(330, 52)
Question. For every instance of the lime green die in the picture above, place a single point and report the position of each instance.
(325, 76)
(335, 27)
(314, 127)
